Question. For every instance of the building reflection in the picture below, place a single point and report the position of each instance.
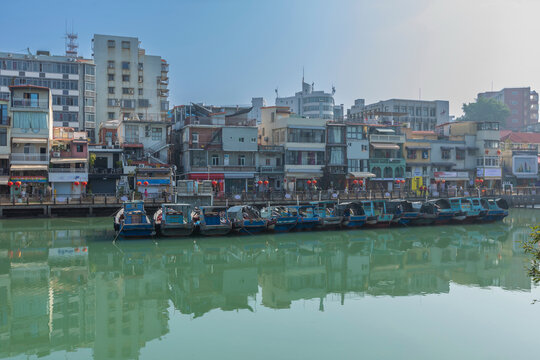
(61, 289)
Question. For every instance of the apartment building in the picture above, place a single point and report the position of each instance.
(31, 133)
(357, 141)
(386, 160)
(336, 156)
(71, 80)
(420, 115)
(5, 145)
(523, 105)
(310, 103)
(133, 87)
(303, 140)
(68, 169)
(519, 157)
(221, 147)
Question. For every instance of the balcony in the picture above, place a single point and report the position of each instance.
(271, 148)
(389, 161)
(105, 171)
(21, 158)
(221, 168)
(5, 120)
(387, 138)
(29, 103)
(270, 169)
(68, 170)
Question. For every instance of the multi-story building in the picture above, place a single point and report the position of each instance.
(71, 80)
(357, 151)
(68, 170)
(310, 103)
(303, 140)
(132, 87)
(221, 147)
(270, 160)
(5, 145)
(356, 112)
(421, 115)
(336, 156)
(31, 132)
(520, 154)
(386, 160)
(523, 105)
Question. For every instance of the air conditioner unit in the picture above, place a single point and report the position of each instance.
(56, 154)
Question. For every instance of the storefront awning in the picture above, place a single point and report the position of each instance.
(29, 140)
(361, 174)
(4, 156)
(28, 167)
(205, 176)
(385, 146)
(68, 161)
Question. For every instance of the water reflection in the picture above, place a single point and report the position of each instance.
(61, 289)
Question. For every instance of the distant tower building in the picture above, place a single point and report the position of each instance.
(310, 103)
(523, 105)
(257, 104)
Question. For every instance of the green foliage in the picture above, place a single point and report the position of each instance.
(92, 160)
(486, 109)
(532, 248)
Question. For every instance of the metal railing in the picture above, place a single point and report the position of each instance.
(29, 103)
(29, 157)
(387, 138)
(68, 170)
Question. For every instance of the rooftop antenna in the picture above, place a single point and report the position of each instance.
(276, 90)
(72, 45)
(302, 76)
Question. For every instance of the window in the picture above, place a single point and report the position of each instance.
(3, 137)
(90, 70)
(79, 148)
(112, 102)
(215, 160)
(3, 114)
(127, 91)
(125, 78)
(111, 43)
(195, 138)
(140, 91)
(411, 154)
(460, 154)
(241, 139)
(90, 86)
(125, 65)
(157, 134)
(140, 79)
(143, 103)
(89, 102)
(111, 89)
(125, 45)
(425, 154)
(305, 135)
(128, 104)
(304, 158)
(110, 77)
(132, 133)
(445, 154)
(491, 144)
(488, 126)
(140, 66)
(253, 139)
(242, 160)
(111, 115)
(147, 131)
(354, 132)
(364, 148)
(110, 64)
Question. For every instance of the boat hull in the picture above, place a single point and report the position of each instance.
(354, 221)
(283, 224)
(215, 230)
(135, 230)
(250, 226)
(307, 223)
(424, 219)
(330, 222)
(171, 230)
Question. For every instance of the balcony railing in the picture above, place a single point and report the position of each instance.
(30, 157)
(105, 171)
(30, 103)
(387, 138)
(5, 120)
(392, 161)
(271, 148)
(217, 168)
(270, 169)
(68, 170)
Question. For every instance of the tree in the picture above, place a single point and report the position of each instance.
(486, 109)
(532, 248)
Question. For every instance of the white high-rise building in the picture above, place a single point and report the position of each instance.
(310, 103)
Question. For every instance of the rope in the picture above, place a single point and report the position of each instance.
(119, 231)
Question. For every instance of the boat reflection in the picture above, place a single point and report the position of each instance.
(60, 289)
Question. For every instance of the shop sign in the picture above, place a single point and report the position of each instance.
(488, 172)
(29, 179)
(524, 165)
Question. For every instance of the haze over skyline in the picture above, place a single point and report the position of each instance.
(226, 52)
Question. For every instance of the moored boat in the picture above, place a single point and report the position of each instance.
(444, 211)
(212, 220)
(306, 217)
(377, 216)
(427, 213)
(402, 210)
(497, 209)
(246, 219)
(326, 213)
(353, 214)
(280, 219)
(174, 220)
(464, 207)
(131, 220)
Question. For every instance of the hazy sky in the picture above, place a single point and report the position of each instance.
(226, 52)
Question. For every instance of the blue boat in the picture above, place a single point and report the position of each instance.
(377, 216)
(212, 220)
(497, 209)
(306, 217)
(467, 214)
(442, 211)
(174, 220)
(403, 211)
(352, 213)
(280, 219)
(246, 219)
(326, 213)
(131, 221)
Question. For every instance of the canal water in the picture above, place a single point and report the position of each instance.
(446, 292)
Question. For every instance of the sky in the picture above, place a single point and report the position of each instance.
(228, 51)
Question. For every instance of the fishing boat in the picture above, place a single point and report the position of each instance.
(476, 205)
(444, 211)
(326, 213)
(427, 213)
(246, 219)
(377, 216)
(353, 214)
(280, 219)
(497, 209)
(212, 220)
(131, 220)
(174, 220)
(465, 208)
(306, 217)
(403, 211)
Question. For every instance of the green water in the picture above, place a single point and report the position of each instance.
(447, 292)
